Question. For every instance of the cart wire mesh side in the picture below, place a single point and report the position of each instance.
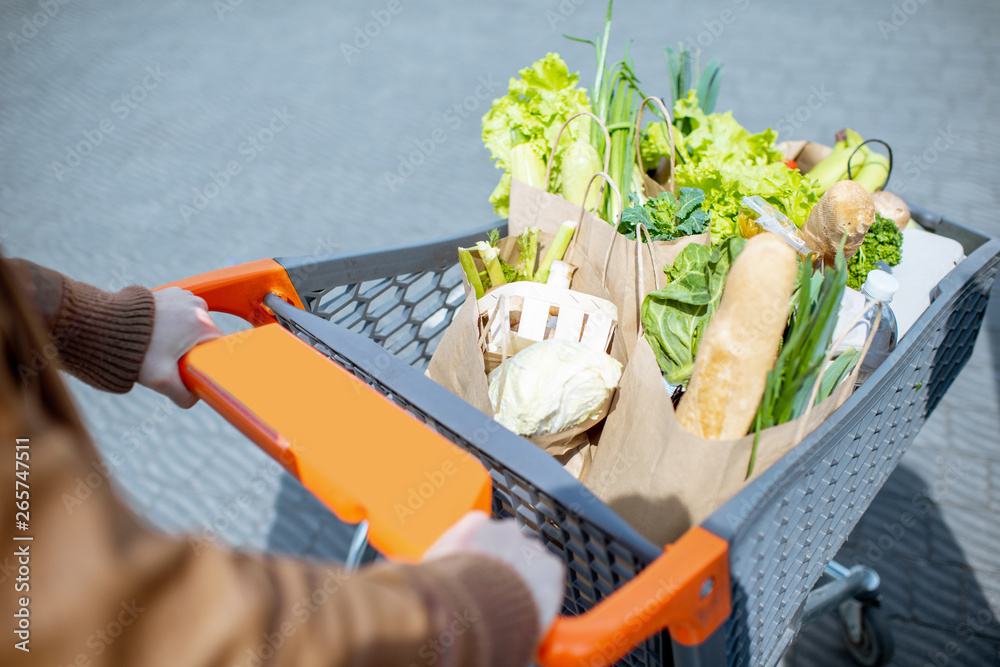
(381, 314)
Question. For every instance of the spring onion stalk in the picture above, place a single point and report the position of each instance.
(556, 251)
(471, 273)
(493, 269)
(613, 101)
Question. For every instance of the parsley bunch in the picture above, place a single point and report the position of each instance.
(883, 243)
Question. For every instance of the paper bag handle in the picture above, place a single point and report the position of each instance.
(639, 282)
(672, 181)
(555, 145)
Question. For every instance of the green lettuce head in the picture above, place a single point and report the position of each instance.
(535, 107)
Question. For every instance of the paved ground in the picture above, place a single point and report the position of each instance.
(118, 121)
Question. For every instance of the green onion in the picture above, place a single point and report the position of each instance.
(471, 273)
(556, 251)
(493, 269)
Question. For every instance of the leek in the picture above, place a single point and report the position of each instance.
(471, 272)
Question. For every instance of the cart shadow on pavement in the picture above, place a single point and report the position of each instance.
(936, 608)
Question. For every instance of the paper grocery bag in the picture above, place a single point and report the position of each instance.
(661, 478)
(458, 363)
(620, 267)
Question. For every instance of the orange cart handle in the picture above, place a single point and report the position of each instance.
(240, 290)
(685, 590)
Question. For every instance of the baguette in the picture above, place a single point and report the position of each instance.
(741, 341)
(846, 208)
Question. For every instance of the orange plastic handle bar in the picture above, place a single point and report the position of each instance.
(240, 290)
(352, 447)
(292, 401)
(685, 590)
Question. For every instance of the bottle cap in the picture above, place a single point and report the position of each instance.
(880, 286)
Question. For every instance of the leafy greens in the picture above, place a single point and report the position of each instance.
(535, 107)
(717, 155)
(675, 316)
(666, 217)
(883, 243)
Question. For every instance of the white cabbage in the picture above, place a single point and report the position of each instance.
(552, 386)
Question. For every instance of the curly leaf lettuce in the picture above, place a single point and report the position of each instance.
(535, 107)
(719, 156)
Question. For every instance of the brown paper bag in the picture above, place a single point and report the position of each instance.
(618, 266)
(661, 478)
(458, 363)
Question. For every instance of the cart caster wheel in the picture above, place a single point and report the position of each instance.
(866, 633)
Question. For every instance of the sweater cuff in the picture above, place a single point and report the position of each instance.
(506, 625)
(102, 337)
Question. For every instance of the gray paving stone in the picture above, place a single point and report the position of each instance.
(976, 432)
(967, 482)
(917, 646)
(966, 537)
(920, 473)
(981, 603)
(935, 434)
(937, 594)
(898, 591)
(893, 529)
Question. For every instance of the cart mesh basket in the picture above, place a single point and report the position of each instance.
(381, 314)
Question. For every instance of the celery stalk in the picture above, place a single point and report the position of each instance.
(493, 269)
(465, 259)
(556, 251)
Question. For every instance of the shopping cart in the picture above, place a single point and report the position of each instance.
(734, 590)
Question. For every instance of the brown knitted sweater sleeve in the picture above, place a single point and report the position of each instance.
(100, 337)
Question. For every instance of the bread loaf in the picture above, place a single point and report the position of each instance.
(846, 208)
(741, 341)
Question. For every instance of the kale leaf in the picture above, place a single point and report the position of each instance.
(666, 217)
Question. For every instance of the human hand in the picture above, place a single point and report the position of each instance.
(541, 571)
(180, 322)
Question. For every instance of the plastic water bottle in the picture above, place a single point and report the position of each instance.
(879, 286)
